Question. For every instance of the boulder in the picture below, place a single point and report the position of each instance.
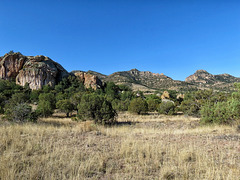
(165, 95)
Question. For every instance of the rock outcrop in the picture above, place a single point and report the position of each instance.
(165, 95)
(10, 65)
(89, 80)
(37, 71)
(200, 76)
(203, 77)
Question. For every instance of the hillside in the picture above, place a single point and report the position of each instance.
(202, 78)
(145, 80)
(148, 81)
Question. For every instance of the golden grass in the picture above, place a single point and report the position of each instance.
(139, 147)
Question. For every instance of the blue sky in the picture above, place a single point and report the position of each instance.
(163, 36)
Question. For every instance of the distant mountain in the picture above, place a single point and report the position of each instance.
(148, 81)
(41, 70)
(202, 78)
(144, 80)
(99, 75)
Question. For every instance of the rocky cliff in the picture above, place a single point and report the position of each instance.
(89, 80)
(34, 70)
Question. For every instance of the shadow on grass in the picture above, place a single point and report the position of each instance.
(126, 123)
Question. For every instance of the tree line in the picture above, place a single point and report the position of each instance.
(102, 105)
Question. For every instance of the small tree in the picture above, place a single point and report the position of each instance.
(34, 95)
(44, 108)
(120, 105)
(65, 106)
(153, 102)
(21, 113)
(97, 108)
(138, 106)
(2, 102)
(48, 97)
(11, 52)
(220, 112)
(75, 99)
(166, 108)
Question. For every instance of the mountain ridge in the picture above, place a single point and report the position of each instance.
(201, 79)
(41, 70)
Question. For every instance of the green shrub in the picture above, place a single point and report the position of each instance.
(166, 108)
(138, 106)
(220, 112)
(21, 113)
(34, 95)
(61, 96)
(48, 97)
(153, 104)
(2, 102)
(75, 99)
(7, 88)
(17, 98)
(44, 108)
(65, 106)
(190, 107)
(97, 108)
(120, 105)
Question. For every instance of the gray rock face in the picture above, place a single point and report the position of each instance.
(10, 65)
(37, 71)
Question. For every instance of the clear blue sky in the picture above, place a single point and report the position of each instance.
(174, 37)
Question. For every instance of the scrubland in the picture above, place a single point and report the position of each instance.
(138, 147)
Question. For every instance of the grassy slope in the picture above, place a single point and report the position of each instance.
(140, 147)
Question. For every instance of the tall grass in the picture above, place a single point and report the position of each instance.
(140, 147)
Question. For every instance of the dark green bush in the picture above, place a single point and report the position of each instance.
(120, 105)
(48, 97)
(153, 103)
(190, 107)
(44, 108)
(221, 112)
(75, 99)
(2, 102)
(166, 108)
(65, 106)
(34, 96)
(97, 108)
(138, 106)
(21, 113)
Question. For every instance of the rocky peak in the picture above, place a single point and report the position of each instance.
(10, 65)
(34, 70)
(200, 76)
(134, 71)
(201, 71)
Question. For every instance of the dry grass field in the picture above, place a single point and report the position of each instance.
(139, 147)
